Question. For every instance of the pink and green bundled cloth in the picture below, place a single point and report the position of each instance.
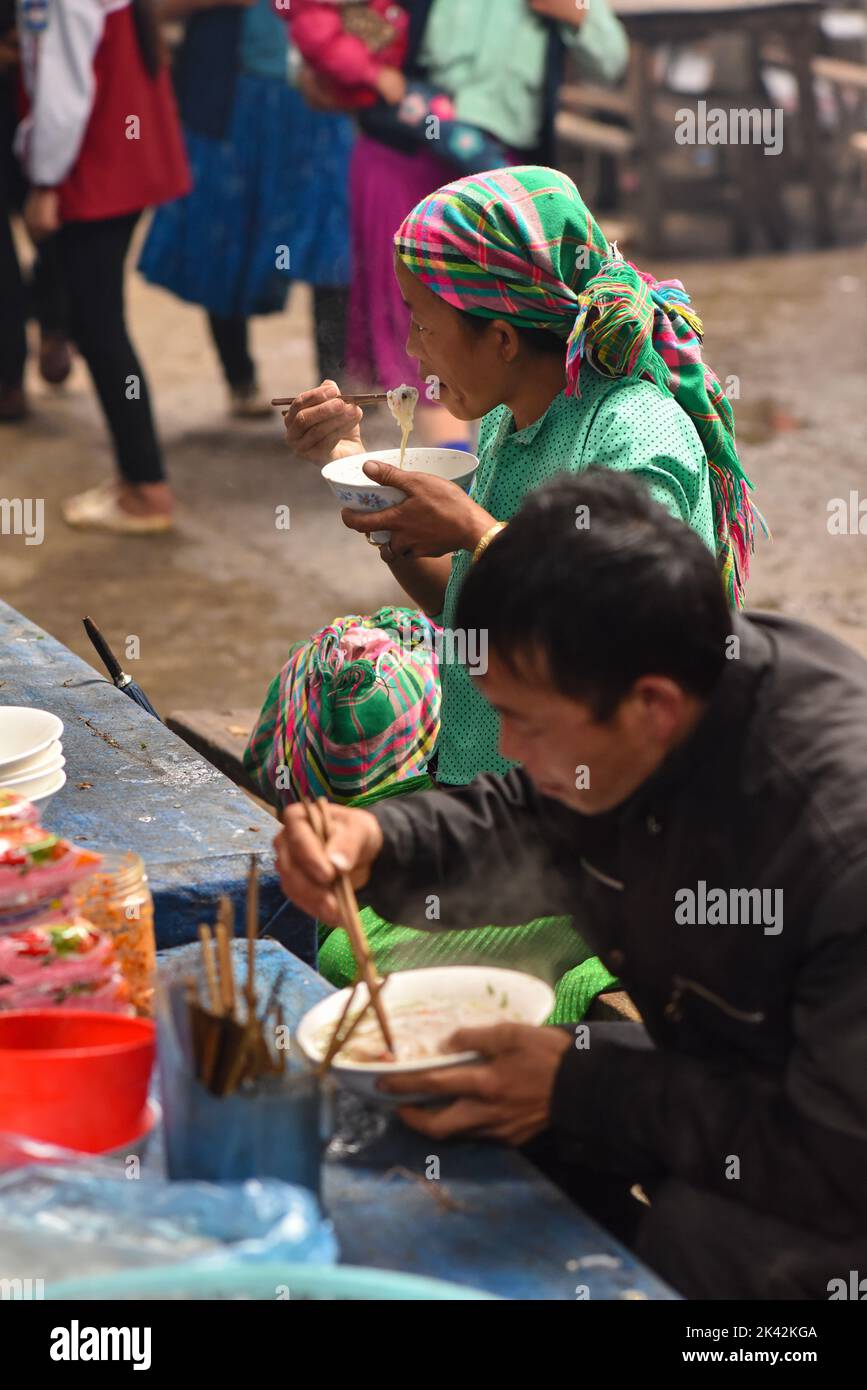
(519, 244)
(354, 710)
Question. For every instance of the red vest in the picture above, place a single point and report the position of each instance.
(115, 173)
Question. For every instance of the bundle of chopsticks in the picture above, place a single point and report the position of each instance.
(228, 1050)
(319, 820)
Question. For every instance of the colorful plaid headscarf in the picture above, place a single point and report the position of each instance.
(519, 244)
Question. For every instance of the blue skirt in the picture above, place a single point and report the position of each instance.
(269, 205)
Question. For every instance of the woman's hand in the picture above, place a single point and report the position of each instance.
(308, 869)
(42, 212)
(391, 85)
(321, 425)
(436, 518)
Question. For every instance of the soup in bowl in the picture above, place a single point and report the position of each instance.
(423, 1007)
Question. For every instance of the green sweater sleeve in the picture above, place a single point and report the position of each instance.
(599, 46)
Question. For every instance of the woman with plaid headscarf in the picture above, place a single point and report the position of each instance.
(524, 315)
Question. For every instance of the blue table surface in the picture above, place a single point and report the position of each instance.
(148, 791)
(491, 1222)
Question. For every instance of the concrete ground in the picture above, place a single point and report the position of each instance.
(216, 604)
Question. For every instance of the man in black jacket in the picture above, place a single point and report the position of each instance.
(693, 788)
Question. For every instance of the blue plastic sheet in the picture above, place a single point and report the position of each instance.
(62, 1222)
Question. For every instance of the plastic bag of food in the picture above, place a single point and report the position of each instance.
(60, 962)
(35, 864)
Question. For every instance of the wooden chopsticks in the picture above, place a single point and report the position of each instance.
(365, 398)
(226, 1050)
(318, 817)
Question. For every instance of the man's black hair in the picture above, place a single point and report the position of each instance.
(605, 595)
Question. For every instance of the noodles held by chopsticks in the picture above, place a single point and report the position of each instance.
(402, 402)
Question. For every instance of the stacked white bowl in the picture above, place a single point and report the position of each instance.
(31, 754)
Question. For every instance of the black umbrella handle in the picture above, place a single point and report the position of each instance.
(110, 661)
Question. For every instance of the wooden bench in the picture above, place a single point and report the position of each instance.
(841, 72)
(594, 136)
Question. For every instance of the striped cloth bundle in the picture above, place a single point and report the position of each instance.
(355, 709)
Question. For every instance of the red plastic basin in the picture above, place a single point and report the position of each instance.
(77, 1079)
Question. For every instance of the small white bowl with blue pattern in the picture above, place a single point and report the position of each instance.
(352, 487)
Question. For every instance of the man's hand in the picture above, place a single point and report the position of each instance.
(505, 1097)
(42, 212)
(307, 869)
(321, 425)
(436, 518)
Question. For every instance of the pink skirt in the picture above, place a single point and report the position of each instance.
(384, 186)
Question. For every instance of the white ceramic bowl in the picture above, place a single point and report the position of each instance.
(25, 734)
(55, 782)
(352, 487)
(37, 762)
(45, 767)
(520, 998)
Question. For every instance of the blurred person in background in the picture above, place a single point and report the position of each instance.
(45, 297)
(99, 143)
(490, 74)
(13, 340)
(269, 197)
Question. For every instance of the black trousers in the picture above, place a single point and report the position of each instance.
(45, 298)
(231, 339)
(92, 257)
(49, 303)
(13, 299)
(13, 314)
